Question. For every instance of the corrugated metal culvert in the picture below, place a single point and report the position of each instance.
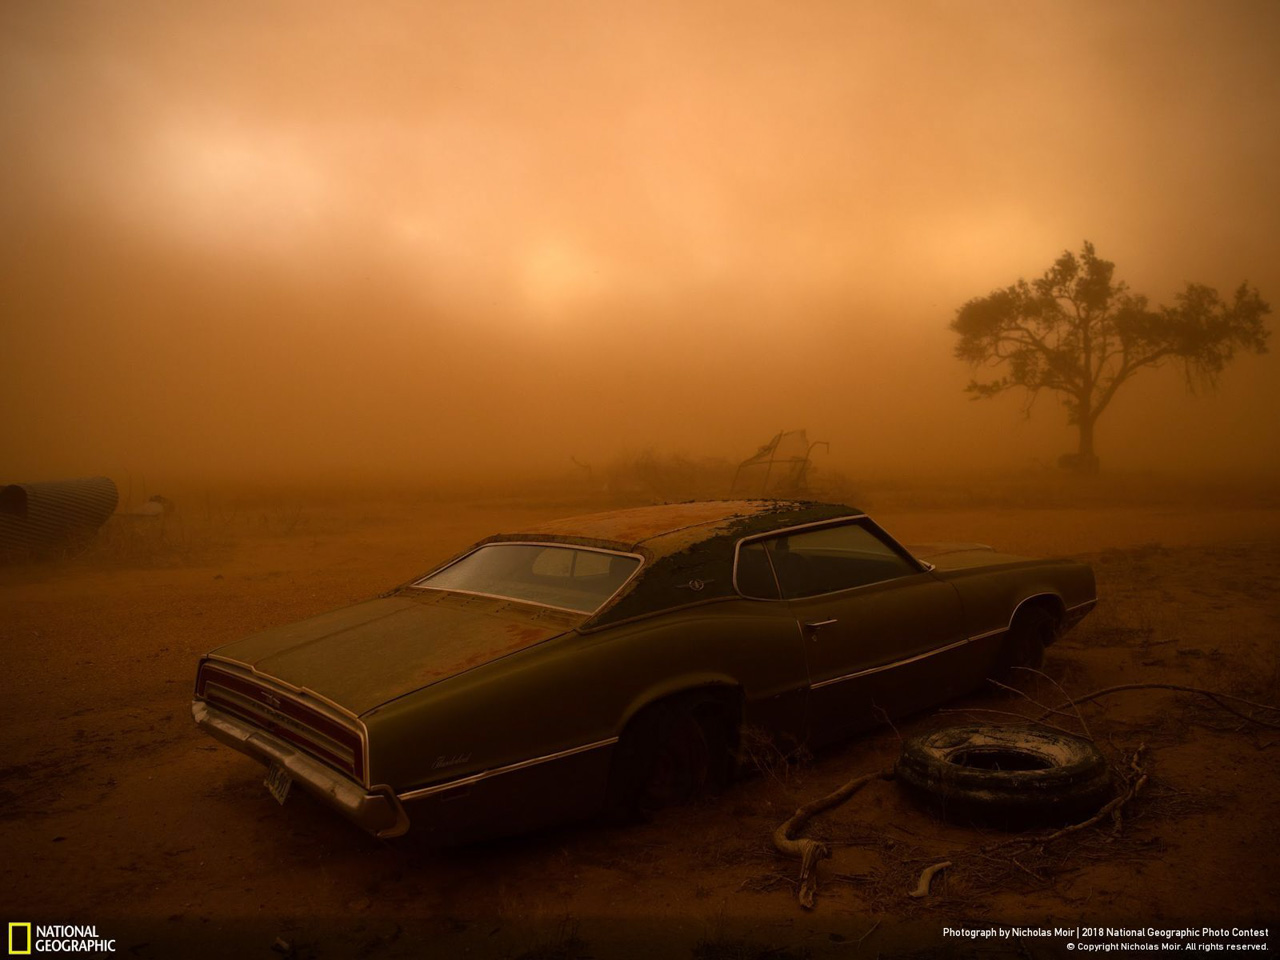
(40, 518)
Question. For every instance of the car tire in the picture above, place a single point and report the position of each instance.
(1007, 777)
(1033, 629)
(669, 754)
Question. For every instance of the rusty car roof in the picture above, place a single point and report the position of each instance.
(684, 544)
(663, 527)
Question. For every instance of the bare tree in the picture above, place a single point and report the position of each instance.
(1079, 333)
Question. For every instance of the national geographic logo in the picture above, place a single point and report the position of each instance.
(26, 939)
(19, 939)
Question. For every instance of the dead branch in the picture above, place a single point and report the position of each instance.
(1004, 686)
(807, 850)
(883, 714)
(969, 711)
(1133, 782)
(1108, 809)
(1213, 695)
(926, 878)
(1030, 873)
(867, 934)
(1079, 716)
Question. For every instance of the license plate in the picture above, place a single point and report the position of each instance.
(278, 782)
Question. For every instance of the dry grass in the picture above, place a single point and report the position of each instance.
(761, 753)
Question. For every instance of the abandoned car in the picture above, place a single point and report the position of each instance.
(612, 661)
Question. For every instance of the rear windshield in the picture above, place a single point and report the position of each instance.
(554, 576)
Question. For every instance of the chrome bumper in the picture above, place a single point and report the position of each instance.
(377, 811)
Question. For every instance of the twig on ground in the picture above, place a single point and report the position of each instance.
(1079, 716)
(868, 933)
(1050, 710)
(926, 878)
(1031, 873)
(883, 714)
(807, 850)
(1137, 777)
(1043, 840)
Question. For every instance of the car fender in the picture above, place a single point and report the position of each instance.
(992, 596)
(669, 687)
(1037, 599)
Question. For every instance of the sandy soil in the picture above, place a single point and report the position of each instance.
(115, 811)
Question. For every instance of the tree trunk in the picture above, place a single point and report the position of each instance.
(1086, 461)
(1085, 450)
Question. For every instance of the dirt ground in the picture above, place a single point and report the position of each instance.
(115, 811)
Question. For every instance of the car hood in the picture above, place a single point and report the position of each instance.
(361, 656)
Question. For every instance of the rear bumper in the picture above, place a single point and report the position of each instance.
(376, 811)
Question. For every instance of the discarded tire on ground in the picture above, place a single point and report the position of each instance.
(1007, 777)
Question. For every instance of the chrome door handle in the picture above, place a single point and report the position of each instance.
(817, 624)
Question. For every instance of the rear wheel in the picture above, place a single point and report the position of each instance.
(669, 754)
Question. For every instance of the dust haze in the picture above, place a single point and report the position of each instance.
(472, 247)
(320, 241)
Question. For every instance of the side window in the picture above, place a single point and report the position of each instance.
(828, 559)
(755, 575)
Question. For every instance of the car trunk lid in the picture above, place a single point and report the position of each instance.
(361, 656)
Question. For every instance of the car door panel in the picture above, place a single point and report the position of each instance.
(880, 650)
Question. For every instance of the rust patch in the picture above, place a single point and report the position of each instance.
(642, 523)
(521, 636)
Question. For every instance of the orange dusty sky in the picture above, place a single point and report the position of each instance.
(319, 239)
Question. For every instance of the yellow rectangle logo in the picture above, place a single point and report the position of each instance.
(16, 949)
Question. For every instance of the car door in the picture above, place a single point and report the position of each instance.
(882, 635)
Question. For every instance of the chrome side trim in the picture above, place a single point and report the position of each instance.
(889, 666)
(498, 596)
(951, 646)
(989, 633)
(509, 768)
(1013, 616)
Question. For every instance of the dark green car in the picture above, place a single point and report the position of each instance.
(614, 660)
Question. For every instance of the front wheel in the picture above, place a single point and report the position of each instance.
(1033, 629)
